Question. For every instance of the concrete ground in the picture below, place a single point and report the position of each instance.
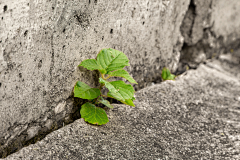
(196, 116)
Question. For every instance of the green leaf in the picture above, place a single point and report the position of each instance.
(122, 73)
(84, 91)
(171, 77)
(112, 90)
(92, 114)
(126, 90)
(118, 89)
(106, 103)
(111, 59)
(166, 74)
(128, 102)
(92, 64)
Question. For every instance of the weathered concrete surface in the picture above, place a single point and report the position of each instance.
(42, 42)
(195, 117)
(210, 27)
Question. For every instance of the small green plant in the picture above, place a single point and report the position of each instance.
(109, 63)
(166, 74)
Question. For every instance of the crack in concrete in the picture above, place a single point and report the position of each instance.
(25, 134)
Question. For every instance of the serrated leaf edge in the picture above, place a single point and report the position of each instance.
(130, 79)
(114, 58)
(93, 115)
(90, 88)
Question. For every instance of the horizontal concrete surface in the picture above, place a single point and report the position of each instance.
(196, 116)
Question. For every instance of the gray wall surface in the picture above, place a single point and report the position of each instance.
(43, 41)
(210, 27)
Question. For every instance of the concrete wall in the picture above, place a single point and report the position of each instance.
(210, 27)
(43, 41)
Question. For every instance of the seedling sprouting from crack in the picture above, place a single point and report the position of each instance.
(166, 74)
(109, 63)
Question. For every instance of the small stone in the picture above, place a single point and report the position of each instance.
(32, 132)
(60, 107)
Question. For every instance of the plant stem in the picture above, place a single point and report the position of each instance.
(95, 102)
(105, 78)
(108, 77)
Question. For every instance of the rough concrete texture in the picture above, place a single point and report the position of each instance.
(43, 41)
(210, 27)
(195, 117)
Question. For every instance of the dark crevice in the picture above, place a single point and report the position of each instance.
(20, 75)
(192, 9)
(74, 115)
(193, 53)
(25, 33)
(5, 8)
(111, 31)
(188, 22)
(197, 48)
(52, 59)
